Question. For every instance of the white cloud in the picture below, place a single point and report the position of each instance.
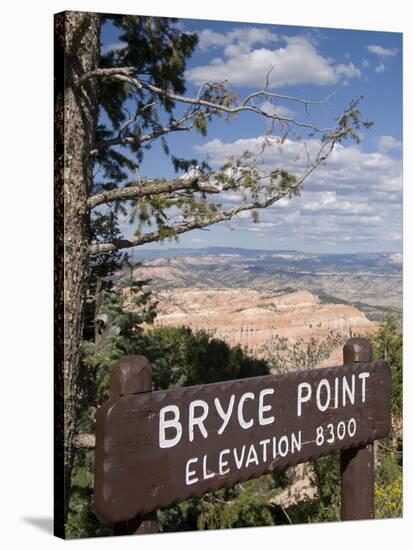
(356, 197)
(344, 165)
(328, 201)
(365, 63)
(349, 71)
(382, 52)
(242, 38)
(380, 68)
(394, 184)
(384, 55)
(208, 38)
(389, 143)
(297, 62)
(348, 171)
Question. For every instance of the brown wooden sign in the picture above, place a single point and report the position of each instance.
(157, 448)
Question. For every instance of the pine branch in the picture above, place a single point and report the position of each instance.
(200, 223)
(135, 190)
(153, 236)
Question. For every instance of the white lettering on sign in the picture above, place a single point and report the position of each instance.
(225, 415)
(199, 411)
(197, 420)
(295, 443)
(239, 459)
(336, 381)
(350, 392)
(190, 473)
(252, 456)
(172, 423)
(363, 376)
(336, 432)
(264, 453)
(325, 395)
(339, 394)
(264, 408)
(352, 426)
(222, 463)
(303, 398)
(207, 475)
(264, 444)
(323, 384)
(241, 419)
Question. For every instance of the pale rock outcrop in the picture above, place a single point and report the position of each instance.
(251, 318)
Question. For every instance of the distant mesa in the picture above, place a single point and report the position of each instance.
(371, 282)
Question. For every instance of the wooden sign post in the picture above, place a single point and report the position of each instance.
(357, 464)
(131, 375)
(154, 449)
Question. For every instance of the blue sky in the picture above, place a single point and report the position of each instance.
(354, 202)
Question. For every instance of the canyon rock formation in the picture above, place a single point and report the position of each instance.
(251, 318)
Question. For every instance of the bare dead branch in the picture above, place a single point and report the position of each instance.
(125, 75)
(180, 125)
(137, 139)
(267, 78)
(275, 95)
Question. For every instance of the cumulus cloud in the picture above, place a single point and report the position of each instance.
(208, 38)
(349, 71)
(242, 38)
(382, 52)
(330, 202)
(295, 62)
(344, 165)
(356, 197)
(389, 143)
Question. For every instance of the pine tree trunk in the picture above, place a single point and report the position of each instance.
(81, 54)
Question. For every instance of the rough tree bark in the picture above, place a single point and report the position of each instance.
(81, 54)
